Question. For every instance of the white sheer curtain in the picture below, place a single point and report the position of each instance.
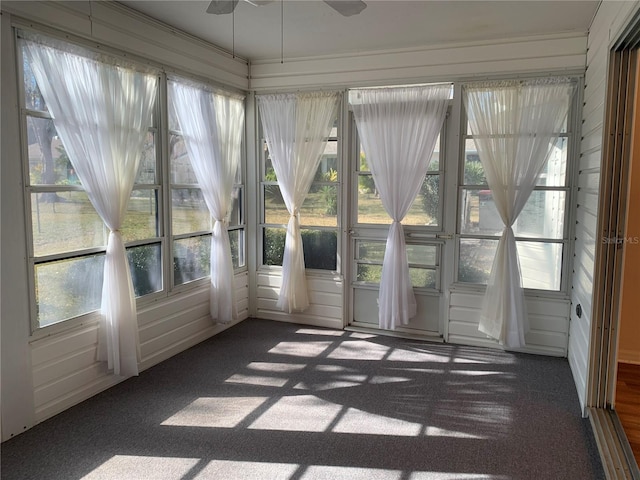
(212, 125)
(296, 128)
(398, 129)
(102, 113)
(515, 127)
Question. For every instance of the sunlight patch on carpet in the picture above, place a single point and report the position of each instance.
(215, 412)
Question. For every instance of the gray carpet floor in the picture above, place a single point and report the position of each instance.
(269, 400)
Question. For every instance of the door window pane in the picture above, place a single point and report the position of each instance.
(424, 211)
(476, 258)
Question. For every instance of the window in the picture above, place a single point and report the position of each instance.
(423, 263)
(426, 208)
(319, 215)
(191, 222)
(68, 238)
(541, 229)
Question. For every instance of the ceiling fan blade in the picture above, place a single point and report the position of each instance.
(222, 7)
(346, 7)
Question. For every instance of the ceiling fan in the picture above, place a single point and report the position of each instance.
(343, 7)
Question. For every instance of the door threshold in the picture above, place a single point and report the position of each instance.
(394, 333)
(614, 456)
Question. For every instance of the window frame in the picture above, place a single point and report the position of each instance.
(162, 185)
(572, 147)
(338, 184)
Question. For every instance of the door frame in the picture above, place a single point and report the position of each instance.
(446, 236)
(620, 118)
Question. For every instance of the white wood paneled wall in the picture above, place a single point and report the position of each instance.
(325, 298)
(548, 318)
(610, 19)
(43, 375)
(65, 369)
(122, 28)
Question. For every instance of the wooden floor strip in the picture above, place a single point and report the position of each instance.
(628, 404)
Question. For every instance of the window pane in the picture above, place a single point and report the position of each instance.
(554, 173)
(370, 250)
(363, 165)
(563, 128)
(369, 273)
(541, 217)
(146, 268)
(420, 277)
(423, 211)
(370, 208)
(473, 170)
(540, 263)
(273, 245)
(275, 211)
(68, 288)
(236, 238)
(320, 207)
(147, 169)
(422, 254)
(328, 167)
(191, 259)
(48, 160)
(235, 216)
(269, 172)
(32, 95)
(189, 211)
(320, 247)
(434, 163)
(425, 208)
(476, 258)
(181, 171)
(63, 222)
(141, 220)
(173, 119)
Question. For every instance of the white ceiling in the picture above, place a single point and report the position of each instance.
(313, 28)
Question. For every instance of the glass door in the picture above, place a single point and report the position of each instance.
(428, 245)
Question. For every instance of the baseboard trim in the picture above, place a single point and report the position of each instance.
(629, 356)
